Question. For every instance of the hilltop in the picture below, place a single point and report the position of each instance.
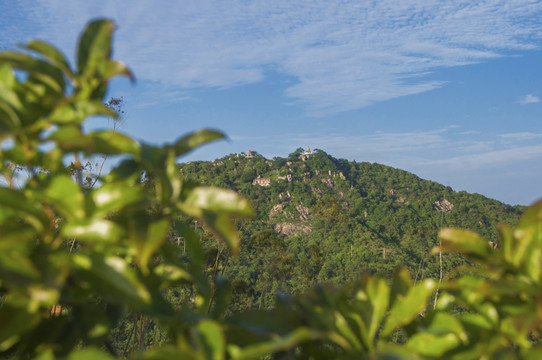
(324, 219)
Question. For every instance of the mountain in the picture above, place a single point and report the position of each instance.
(322, 219)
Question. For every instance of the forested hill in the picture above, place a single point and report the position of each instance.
(325, 219)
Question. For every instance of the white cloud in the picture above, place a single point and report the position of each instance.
(521, 136)
(529, 99)
(488, 159)
(344, 54)
(427, 151)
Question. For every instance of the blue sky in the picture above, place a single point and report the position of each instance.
(449, 90)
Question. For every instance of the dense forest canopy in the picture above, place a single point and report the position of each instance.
(323, 219)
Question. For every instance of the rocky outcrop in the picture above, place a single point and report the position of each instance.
(290, 229)
(288, 178)
(303, 212)
(444, 206)
(328, 182)
(279, 210)
(317, 192)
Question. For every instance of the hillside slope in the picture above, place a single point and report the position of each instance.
(324, 219)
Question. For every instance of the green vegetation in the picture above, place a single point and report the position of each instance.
(135, 262)
(336, 220)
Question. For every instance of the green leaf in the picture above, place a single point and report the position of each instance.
(221, 297)
(378, 293)
(76, 112)
(15, 321)
(89, 353)
(109, 142)
(45, 354)
(32, 211)
(172, 273)
(222, 226)
(401, 284)
(192, 141)
(126, 170)
(94, 230)
(507, 242)
(202, 198)
(50, 53)
(114, 68)
(532, 354)
(174, 181)
(193, 245)
(112, 197)
(432, 345)
(281, 343)
(157, 232)
(16, 270)
(531, 217)
(407, 307)
(70, 138)
(466, 242)
(445, 323)
(210, 340)
(169, 352)
(39, 70)
(112, 278)
(7, 78)
(9, 120)
(94, 45)
(66, 197)
(9, 100)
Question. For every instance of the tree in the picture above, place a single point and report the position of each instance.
(55, 298)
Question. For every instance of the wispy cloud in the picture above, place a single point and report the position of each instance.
(529, 99)
(477, 161)
(521, 136)
(344, 54)
(446, 149)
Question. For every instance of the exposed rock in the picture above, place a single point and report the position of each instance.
(317, 192)
(290, 229)
(303, 212)
(341, 194)
(317, 172)
(444, 206)
(329, 183)
(287, 178)
(277, 209)
(341, 175)
(403, 200)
